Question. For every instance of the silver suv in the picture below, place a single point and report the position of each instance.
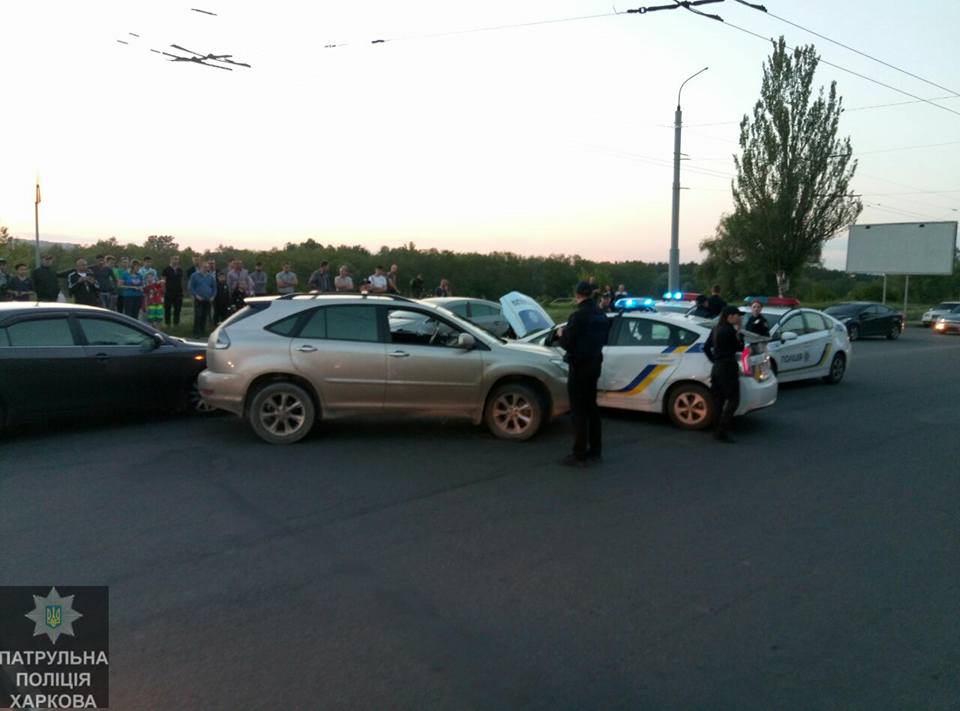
(284, 362)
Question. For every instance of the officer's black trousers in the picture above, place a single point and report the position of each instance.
(582, 389)
(725, 386)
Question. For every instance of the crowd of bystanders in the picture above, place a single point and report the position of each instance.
(134, 286)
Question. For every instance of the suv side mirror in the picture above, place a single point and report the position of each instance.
(466, 341)
(789, 336)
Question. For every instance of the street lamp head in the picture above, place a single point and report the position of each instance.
(685, 81)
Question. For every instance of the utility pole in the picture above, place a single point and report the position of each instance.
(673, 280)
(36, 222)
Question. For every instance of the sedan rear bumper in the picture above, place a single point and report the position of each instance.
(755, 394)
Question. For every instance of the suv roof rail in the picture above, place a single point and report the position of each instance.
(362, 294)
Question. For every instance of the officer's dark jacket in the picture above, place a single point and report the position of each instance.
(758, 324)
(723, 343)
(715, 304)
(702, 312)
(585, 334)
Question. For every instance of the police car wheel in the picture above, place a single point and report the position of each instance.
(281, 413)
(690, 406)
(514, 411)
(838, 366)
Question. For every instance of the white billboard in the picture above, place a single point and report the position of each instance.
(902, 248)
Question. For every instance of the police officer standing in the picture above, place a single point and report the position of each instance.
(583, 338)
(757, 323)
(722, 346)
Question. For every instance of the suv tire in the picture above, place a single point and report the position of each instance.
(281, 413)
(514, 411)
(691, 407)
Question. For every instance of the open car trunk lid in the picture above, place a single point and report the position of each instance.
(524, 314)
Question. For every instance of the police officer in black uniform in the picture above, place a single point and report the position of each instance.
(583, 338)
(757, 323)
(722, 347)
(701, 310)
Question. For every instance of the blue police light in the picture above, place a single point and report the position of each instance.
(667, 296)
(678, 295)
(631, 304)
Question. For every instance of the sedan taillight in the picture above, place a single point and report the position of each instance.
(745, 361)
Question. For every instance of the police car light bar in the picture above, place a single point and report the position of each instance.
(680, 296)
(632, 304)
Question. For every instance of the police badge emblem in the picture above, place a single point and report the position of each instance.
(53, 615)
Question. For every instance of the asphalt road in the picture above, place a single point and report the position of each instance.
(413, 564)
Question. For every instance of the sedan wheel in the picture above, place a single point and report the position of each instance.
(854, 332)
(690, 407)
(197, 404)
(281, 413)
(894, 332)
(514, 411)
(838, 366)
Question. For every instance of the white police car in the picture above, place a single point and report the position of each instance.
(654, 362)
(806, 343)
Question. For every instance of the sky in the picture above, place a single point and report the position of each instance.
(546, 139)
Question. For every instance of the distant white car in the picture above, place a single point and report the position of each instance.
(485, 314)
(940, 310)
(654, 362)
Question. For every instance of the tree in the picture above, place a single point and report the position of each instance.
(4, 236)
(161, 244)
(791, 191)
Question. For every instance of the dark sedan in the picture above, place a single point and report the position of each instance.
(865, 318)
(70, 361)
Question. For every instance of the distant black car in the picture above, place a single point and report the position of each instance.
(68, 361)
(865, 318)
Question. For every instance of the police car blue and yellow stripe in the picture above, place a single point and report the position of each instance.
(649, 374)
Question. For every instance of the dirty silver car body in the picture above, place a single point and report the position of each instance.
(285, 362)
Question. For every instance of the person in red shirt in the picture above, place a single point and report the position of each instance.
(153, 299)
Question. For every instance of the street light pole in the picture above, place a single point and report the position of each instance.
(673, 280)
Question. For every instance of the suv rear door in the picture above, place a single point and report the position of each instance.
(340, 351)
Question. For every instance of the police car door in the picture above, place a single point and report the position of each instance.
(793, 355)
(819, 337)
(637, 360)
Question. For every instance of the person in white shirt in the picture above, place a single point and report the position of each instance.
(343, 282)
(378, 281)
